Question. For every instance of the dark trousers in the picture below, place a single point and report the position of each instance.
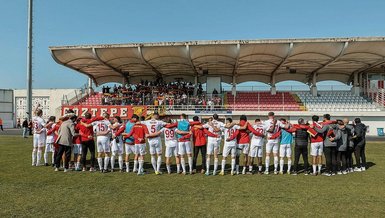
(298, 151)
(349, 157)
(359, 152)
(63, 149)
(341, 159)
(203, 150)
(91, 146)
(1, 126)
(331, 159)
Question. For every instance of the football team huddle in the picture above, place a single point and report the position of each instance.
(70, 139)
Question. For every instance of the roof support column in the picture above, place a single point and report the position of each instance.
(273, 89)
(195, 85)
(356, 85)
(234, 87)
(313, 86)
(90, 90)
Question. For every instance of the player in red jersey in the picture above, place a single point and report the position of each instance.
(140, 132)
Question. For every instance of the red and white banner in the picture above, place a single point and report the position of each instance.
(125, 112)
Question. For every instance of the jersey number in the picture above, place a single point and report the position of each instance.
(101, 127)
(153, 129)
(169, 133)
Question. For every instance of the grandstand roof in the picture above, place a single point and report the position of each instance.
(265, 60)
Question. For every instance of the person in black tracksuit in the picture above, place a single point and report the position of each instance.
(301, 144)
(350, 149)
(359, 145)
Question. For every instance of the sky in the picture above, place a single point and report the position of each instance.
(75, 22)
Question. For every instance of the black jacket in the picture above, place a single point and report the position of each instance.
(25, 124)
(360, 133)
(301, 137)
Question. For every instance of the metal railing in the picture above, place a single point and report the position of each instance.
(75, 96)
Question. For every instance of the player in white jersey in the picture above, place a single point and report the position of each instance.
(103, 136)
(256, 146)
(117, 143)
(39, 136)
(272, 126)
(155, 144)
(213, 143)
(230, 145)
(171, 142)
(49, 141)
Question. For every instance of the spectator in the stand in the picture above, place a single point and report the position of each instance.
(215, 92)
(1, 124)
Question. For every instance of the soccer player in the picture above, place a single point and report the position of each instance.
(350, 150)
(184, 144)
(116, 144)
(87, 139)
(286, 139)
(140, 133)
(155, 143)
(213, 143)
(272, 126)
(256, 146)
(301, 143)
(129, 144)
(171, 145)
(230, 145)
(359, 145)
(199, 140)
(77, 146)
(39, 136)
(342, 140)
(49, 148)
(103, 132)
(329, 130)
(316, 146)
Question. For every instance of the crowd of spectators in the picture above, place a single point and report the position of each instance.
(160, 93)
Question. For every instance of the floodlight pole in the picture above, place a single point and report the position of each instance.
(29, 60)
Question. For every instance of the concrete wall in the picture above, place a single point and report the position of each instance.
(49, 99)
(6, 108)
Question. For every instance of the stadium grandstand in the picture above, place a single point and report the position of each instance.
(188, 76)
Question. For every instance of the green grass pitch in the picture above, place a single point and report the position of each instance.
(40, 192)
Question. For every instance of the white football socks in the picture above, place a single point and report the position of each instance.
(223, 165)
(135, 166)
(267, 162)
(281, 164)
(46, 157)
(34, 156)
(127, 167)
(112, 161)
(158, 163)
(140, 170)
(120, 161)
(183, 163)
(168, 168)
(319, 168)
(38, 157)
(232, 165)
(178, 168)
(289, 165)
(100, 163)
(314, 168)
(215, 164)
(208, 164)
(275, 163)
(190, 163)
(106, 161)
(153, 162)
